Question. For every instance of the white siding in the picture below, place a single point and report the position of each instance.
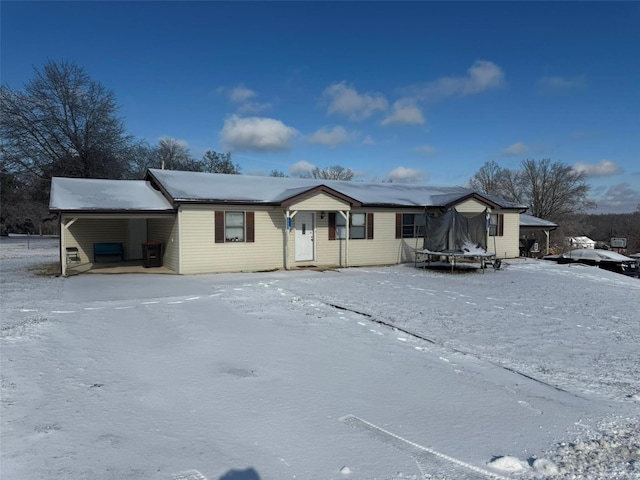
(383, 249)
(200, 253)
(470, 205)
(165, 231)
(320, 202)
(507, 245)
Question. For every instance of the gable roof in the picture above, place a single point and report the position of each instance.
(91, 194)
(198, 187)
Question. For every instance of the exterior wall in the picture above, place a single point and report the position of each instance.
(165, 231)
(507, 245)
(383, 249)
(200, 253)
(84, 232)
(320, 202)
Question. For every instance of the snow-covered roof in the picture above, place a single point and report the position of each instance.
(581, 240)
(90, 194)
(527, 220)
(220, 188)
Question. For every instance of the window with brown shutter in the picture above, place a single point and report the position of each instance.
(360, 226)
(496, 225)
(234, 226)
(410, 225)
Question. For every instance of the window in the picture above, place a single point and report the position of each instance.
(360, 226)
(234, 227)
(496, 225)
(410, 225)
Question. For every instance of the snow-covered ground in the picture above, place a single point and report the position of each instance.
(532, 371)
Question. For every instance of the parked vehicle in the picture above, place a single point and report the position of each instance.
(605, 259)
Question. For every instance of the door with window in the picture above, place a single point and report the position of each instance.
(304, 236)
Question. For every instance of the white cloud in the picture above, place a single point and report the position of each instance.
(332, 137)
(481, 76)
(240, 93)
(301, 168)
(404, 111)
(561, 83)
(368, 140)
(405, 175)
(425, 149)
(256, 134)
(603, 168)
(517, 148)
(620, 198)
(253, 107)
(345, 100)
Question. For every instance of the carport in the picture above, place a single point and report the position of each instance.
(531, 225)
(105, 223)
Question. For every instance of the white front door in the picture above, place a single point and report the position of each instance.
(304, 236)
(137, 235)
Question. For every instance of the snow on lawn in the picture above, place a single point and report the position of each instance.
(388, 373)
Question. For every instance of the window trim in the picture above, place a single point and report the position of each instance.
(496, 230)
(400, 226)
(248, 225)
(368, 226)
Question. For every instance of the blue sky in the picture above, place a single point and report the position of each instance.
(422, 92)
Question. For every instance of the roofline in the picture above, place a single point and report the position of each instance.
(155, 183)
(472, 195)
(112, 211)
(320, 189)
(214, 201)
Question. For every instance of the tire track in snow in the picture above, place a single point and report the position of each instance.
(427, 459)
(434, 342)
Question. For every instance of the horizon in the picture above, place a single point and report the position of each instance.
(409, 92)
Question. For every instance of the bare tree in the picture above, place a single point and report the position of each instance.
(551, 190)
(277, 173)
(142, 156)
(63, 123)
(215, 162)
(335, 172)
(489, 179)
(173, 154)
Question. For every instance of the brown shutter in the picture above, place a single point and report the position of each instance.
(398, 225)
(369, 226)
(500, 224)
(332, 225)
(251, 226)
(219, 227)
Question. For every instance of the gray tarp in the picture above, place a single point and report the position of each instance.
(455, 232)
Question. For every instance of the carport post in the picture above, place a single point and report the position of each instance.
(546, 232)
